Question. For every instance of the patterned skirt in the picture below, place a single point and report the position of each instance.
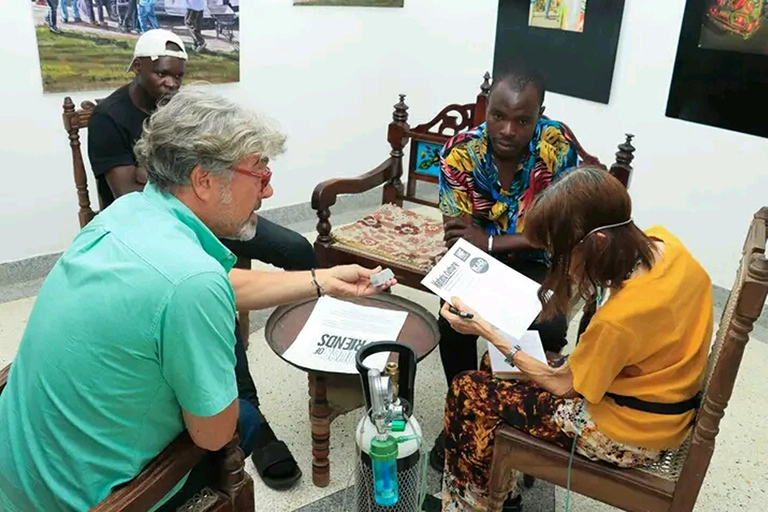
(478, 404)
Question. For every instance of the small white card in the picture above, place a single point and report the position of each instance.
(530, 343)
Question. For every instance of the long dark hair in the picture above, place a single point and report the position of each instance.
(565, 220)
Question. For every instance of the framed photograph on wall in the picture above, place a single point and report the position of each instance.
(87, 45)
(720, 76)
(571, 42)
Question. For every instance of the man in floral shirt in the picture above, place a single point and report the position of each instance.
(489, 178)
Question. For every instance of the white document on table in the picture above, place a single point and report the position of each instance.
(336, 330)
(505, 298)
(530, 343)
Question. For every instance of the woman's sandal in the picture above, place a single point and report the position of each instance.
(437, 453)
(434, 504)
(513, 504)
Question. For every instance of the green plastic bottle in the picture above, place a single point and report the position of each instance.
(384, 460)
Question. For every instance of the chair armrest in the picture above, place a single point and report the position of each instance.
(325, 193)
(156, 480)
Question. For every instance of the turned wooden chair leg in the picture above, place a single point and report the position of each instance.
(501, 472)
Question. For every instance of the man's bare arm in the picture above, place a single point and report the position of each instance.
(258, 290)
(255, 289)
(212, 433)
(477, 236)
(511, 243)
(124, 179)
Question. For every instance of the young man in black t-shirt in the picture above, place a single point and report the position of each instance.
(116, 124)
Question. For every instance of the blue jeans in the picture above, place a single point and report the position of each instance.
(131, 18)
(547, 5)
(245, 387)
(53, 6)
(65, 7)
(96, 8)
(147, 13)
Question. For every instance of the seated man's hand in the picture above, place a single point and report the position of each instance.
(350, 281)
(472, 233)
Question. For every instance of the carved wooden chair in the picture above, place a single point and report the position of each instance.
(76, 120)
(673, 484)
(234, 492)
(403, 240)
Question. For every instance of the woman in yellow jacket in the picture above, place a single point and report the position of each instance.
(628, 391)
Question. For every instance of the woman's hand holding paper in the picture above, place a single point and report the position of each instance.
(475, 325)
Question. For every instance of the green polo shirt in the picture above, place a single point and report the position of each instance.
(134, 323)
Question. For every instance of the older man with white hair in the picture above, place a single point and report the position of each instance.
(131, 339)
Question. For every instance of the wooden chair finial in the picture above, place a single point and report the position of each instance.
(626, 150)
(486, 86)
(400, 115)
(622, 168)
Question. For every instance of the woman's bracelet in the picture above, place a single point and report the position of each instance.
(511, 356)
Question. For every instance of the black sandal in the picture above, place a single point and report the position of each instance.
(513, 504)
(275, 459)
(437, 453)
(434, 504)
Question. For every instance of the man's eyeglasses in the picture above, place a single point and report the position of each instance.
(264, 176)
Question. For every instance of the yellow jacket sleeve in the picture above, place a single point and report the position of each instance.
(603, 352)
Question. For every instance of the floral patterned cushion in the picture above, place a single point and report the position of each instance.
(392, 234)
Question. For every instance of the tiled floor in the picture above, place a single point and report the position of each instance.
(737, 478)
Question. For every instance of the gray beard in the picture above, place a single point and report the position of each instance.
(247, 232)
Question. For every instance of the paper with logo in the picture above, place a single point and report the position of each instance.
(530, 343)
(336, 330)
(505, 298)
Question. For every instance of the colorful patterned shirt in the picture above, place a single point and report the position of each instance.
(469, 178)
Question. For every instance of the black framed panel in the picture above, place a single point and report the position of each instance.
(720, 76)
(573, 63)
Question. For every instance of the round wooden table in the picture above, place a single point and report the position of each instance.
(333, 394)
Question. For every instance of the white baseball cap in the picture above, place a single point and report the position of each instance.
(152, 44)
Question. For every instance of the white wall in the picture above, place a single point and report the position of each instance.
(331, 75)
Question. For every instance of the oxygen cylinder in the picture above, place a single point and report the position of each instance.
(388, 437)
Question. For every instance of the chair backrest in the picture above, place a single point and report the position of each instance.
(74, 121)
(427, 140)
(744, 306)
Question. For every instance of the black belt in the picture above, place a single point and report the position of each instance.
(657, 407)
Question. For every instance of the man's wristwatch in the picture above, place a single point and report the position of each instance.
(511, 356)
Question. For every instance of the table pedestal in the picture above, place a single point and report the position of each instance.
(330, 396)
